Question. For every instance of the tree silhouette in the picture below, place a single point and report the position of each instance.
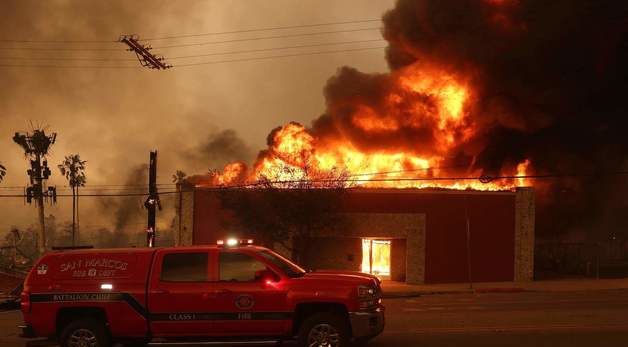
(289, 212)
(73, 169)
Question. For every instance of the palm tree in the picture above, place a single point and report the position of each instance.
(73, 168)
(3, 172)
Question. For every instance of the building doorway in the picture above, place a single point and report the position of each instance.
(376, 257)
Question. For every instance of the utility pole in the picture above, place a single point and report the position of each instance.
(143, 54)
(152, 202)
(36, 146)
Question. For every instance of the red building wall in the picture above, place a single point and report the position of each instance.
(491, 224)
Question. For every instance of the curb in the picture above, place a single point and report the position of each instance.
(409, 294)
(501, 290)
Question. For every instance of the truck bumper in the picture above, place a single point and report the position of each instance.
(27, 331)
(365, 325)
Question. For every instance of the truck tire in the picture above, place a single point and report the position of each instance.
(85, 332)
(324, 330)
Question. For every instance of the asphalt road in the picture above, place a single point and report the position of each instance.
(595, 318)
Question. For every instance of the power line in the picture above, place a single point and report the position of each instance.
(67, 59)
(197, 55)
(62, 49)
(58, 41)
(265, 38)
(192, 64)
(261, 29)
(404, 179)
(196, 35)
(97, 186)
(72, 66)
(274, 48)
(396, 179)
(95, 195)
(279, 56)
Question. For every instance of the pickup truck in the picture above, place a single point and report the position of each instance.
(235, 293)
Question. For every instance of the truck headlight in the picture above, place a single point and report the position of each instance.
(366, 292)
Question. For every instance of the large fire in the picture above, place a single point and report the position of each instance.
(426, 100)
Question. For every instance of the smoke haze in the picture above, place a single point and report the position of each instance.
(197, 118)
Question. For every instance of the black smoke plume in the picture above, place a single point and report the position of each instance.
(551, 79)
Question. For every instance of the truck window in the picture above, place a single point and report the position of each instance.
(289, 268)
(239, 267)
(184, 267)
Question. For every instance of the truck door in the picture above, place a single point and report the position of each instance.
(249, 297)
(179, 284)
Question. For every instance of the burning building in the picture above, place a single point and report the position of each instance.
(411, 235)
(482, 96)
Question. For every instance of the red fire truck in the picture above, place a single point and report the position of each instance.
(233, 292)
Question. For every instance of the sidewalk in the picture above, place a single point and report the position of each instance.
(393, 289)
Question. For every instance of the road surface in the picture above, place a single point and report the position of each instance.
(594, 318)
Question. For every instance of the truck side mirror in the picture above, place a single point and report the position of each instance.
(266, 276)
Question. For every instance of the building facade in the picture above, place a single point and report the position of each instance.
(410, 235)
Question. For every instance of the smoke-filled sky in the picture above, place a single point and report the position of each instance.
(196, 117)
(547, 82)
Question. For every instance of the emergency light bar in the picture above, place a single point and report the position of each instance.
(234, 242)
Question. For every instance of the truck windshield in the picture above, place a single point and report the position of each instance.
(289, 268)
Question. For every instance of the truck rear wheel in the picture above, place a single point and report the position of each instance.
(84, 333)
(324, 330)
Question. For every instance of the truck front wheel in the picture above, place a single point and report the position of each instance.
(84, 333)
(324, 330)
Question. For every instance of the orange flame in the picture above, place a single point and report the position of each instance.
(424, 99)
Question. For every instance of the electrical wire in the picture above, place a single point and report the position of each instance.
(256, 184)
(59, 41)
(273, 49)
(67, 59)
(73, 66)
(261, 29)
(189, 44)
(97, 186)
(61, 49)
(197, 55)
(193, 64)
(198, 35)
(264, 38)
(278, 56)
(405, 179)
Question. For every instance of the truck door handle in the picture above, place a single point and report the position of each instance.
(215, 293)
(161, 291)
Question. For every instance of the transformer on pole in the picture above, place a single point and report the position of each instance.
(36, 146)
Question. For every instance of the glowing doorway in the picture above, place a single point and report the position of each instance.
(376, 257)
